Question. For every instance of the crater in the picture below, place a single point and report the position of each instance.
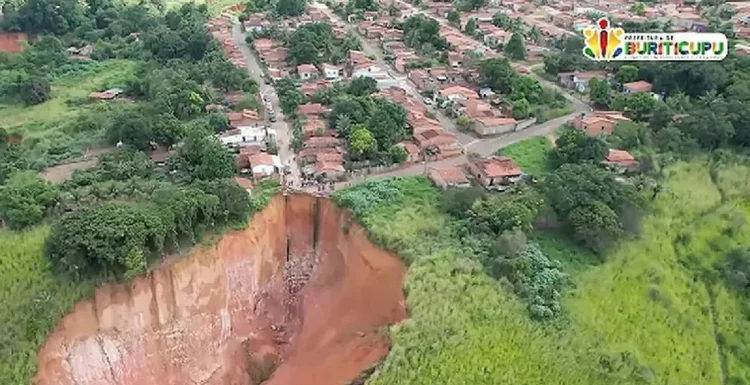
(301, 296)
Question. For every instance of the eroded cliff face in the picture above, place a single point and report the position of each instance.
(301, 296)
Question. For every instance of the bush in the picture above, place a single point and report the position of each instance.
(25, 200)
(535, 278)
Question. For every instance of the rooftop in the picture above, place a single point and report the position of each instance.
(498, 166)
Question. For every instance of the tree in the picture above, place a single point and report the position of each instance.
(218, 121)
(361, 142)
(454, 17)
(640, 9)
(535, 34)
(661, 116)
(387, 123)
(362, 86)
(464, 122)
(575, 146)
(711, 130)
(471, 26)
(592, 202)
(515, 48)
(350, 108)
(291, 8)
(203, 157)
(638, 106)
(48, 16)
(290, 95)
(627, 74)
(131, 127)
(527, 88)
(600, 93)
(521, 109)
(36, 91)
(303, 53)
(25, 199)
(398, 154)
(498, 75)
(459, 201)
(501, 213)
(629, 135)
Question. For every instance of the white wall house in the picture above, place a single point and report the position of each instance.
(331, 72)
(244, 136)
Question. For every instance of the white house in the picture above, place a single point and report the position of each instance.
(331, 71)
(365, 69)
(262, 164)
(307, 71)
(244, 136)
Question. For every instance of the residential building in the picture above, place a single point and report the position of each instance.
(331, 72)
(245, 183)
(321, 142)
(579, 81)
(313, 126)
(307, 71)
(495, 172)
(437, 143)
(637, 87)
(449, 177)
(245, 136)
(622, 160)
(484, 126)
(599, 122)
(458, 92)
(412, 152)
(264, 165)
(312, 109)
(243, 119)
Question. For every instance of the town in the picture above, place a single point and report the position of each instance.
(358, 90)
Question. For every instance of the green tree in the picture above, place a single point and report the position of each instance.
(627, 74)
(661, 116)
(290, 95)
(640, 9)
(362, 86)
(203, 157)
(600, 93)
(498, 75)
(303, 53)
(585, 196)
(454, 17)
(398, 154)
(25, 199)
(218, 121)
(638, 106)
(535, 34)
(48, 16)
(629, 135)
(131, 127)
(290, 8)
(387, 123)
(515, 49)
(463, 122)
(521, 109)
(471, 26)
(527, 88)
(361, 142)
(501, 213)
(575, 146)
(36, 91)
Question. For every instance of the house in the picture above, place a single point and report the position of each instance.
(243, 119)
(412, 151)
(309, 89)
(599, 122)
(313, 127)
(245, 183)
(310, 155)
(438, 143)
(321, 142)
(263, 164)
(448, 177)
(245, 136)
(486, 92)
(493, 125)
(455, 59)
(106, 95)
(307, 71)
(329, 166)
(496, 37)
(579, 81)
(496, 172)
(312, 109)
(637, 87)
(622, 160)
(12, 42)
(458, 92)
(368, 68)
(331, 72)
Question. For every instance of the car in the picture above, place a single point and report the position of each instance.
(428, 101)
(272, 118)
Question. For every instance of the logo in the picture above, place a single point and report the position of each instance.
(602, 42)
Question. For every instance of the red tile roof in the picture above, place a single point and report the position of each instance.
(498, 166)
(451, 175)
(639, 86)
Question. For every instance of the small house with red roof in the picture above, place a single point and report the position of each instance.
(637, 87)
(622, 160)
(448, 177)
(307, 71)
(495, 172)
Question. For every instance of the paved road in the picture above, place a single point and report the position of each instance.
(283, 131)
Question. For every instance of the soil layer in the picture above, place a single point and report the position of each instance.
(299, 297)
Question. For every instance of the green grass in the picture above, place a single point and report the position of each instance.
(643, 315)
(215, 6)
(66, 92)
(532, 155)
(33, 298)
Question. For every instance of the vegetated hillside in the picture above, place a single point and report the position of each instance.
(658, 310)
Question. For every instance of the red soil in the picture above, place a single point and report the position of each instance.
(12, 42)
(224, 314)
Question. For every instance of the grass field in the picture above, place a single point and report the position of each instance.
(66, 91)
(644, 315)
(46, 127)
(216, 6)
(34, 299)
(532, 155)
